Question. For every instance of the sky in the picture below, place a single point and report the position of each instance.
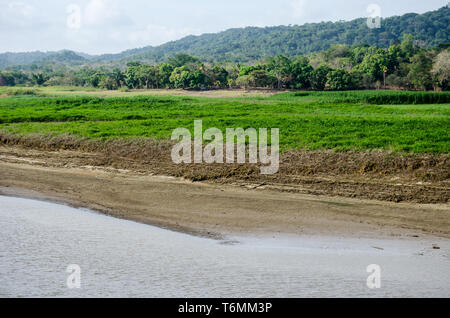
(112, 26)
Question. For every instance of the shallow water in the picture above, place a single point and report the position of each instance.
(119, 258)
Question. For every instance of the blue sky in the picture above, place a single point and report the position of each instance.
(110, 26)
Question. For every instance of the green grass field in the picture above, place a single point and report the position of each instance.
(400, 121)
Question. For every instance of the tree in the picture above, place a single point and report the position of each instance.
(12, 78)
(118, 77)
(38, 79)
(280, 68)
(340, 80)
(358, 53)
(95, 79)
(182, 59)
(441, 70)
(301, 73)
(165, 70)
(197, 80)
(183, 77)
(108, 83)
(7, 79)
(247, 69)
(420, 71)
(245, 81)
(218, 76)
(394, 58)
(375, 64)
(180, 77)
(338, 51)
(131, 75)
(260, 78)
(319, 77)
(146, 76)
(407, 46)
(396, 81)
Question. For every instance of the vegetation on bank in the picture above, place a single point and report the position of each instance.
(360, 120)
(402, 66)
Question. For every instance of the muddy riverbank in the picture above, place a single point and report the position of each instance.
(207, 209)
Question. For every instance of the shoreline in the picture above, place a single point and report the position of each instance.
(217, 210)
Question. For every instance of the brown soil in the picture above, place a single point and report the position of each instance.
(119, 178)
(216, 210)
(375, 175)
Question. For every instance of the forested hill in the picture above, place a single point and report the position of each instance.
(249, 44)
(252, 43)
(42, 58)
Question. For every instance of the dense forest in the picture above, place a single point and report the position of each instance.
(250, 44)
(403, 65)
(247, 45)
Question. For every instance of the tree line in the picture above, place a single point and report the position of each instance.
(403, 65)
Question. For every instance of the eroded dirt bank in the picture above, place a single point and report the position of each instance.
(377, 175)
(130, 189)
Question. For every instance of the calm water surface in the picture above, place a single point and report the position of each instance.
(119, 258)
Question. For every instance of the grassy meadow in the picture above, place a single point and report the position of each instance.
(414, 122)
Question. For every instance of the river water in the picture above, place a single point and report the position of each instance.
(119, 258)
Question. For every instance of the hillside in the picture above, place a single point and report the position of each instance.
(43, 58)
(252, 43)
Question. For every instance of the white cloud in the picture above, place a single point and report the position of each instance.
(298, 8)
(158, 34)
(18, 15)
(99, 12)
(21, 8)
